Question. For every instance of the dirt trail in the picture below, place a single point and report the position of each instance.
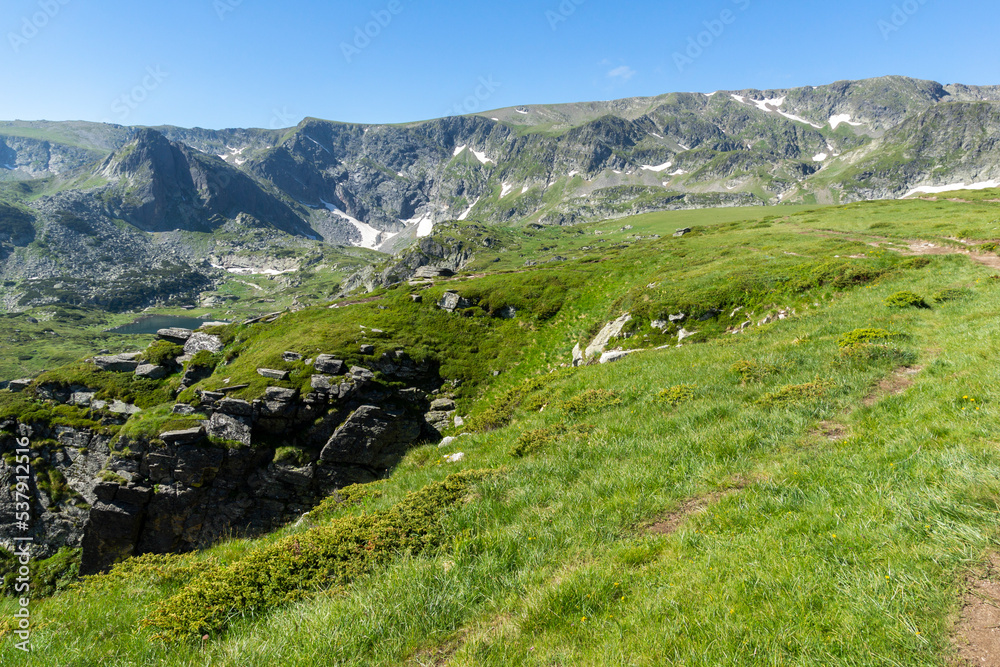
(977, 635)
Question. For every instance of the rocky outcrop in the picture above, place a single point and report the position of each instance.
(249, 467)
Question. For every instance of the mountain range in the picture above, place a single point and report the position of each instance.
(125, 217)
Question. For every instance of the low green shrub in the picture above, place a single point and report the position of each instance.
(48, 576)
(591, 401)
(951, 294)
(863, 336)
(876, 353)
(753, 371)
(294, 455)
(501, 412)
(532, 441)
(905, 299)
(153, 569)
(796, 393)
(162, 353)
(349, 496)
(676, 395)
(321, 557)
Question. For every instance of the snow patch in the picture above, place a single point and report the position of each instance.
(936, 189)
(658, 168)
(318, 144)
(656, 135)
(424, 223)
(820, 157)
(842, 118)
(687, 148)
(524, 189)
(481, 156)
(249, 271)
(679, 172)
(369, 235)
(573, 173)
(765, 105)
(522, 111)
(507, 187)
(465, 215)
(496, 119)
(458, 150)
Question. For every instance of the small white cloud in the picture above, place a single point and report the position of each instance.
(623, 73)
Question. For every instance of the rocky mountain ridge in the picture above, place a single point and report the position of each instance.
(138, 194)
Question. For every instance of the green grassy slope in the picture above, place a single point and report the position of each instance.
(791, 501)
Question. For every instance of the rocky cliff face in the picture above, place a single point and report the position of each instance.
(248, 468)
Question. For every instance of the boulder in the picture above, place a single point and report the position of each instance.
(183, 409)
(451, 301)
(682, 232)
(291, 357)
(17, 386)
(440, 421)
(616, 355)
(370, 437)
(235, 407)
(361, 375)
(684, 333)
(151, 372)
(442, 405)
(429, 272)
(611, 331)
(187, 436)
(279, 394)
(367, 349)
(272, 374)
(416, 298)
(230, 427)
(507, 313)
(324, 383)
(200, 341)
(175, 335)
(578, 358)
(119, 363)
(326, 364)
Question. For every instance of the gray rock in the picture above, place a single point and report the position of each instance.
(429, 272)
(367, 349)
(416, 298)
(183, 409)
(325, 363)
(442, 405)
(200, 341)
(370, 437)
(440, 421)
(119, 363)
(272, 374)
(235, 406)
(151, 372)
(459, 421)
(279, 394)
(684, 333)
(682, 232)
(451, 301)
(175, 335)
(679, 317)
(229, 427)
(187, 436)
(606, 335)
(82, 398)
(17, 386)
(361, 375)
(122, 408)
(507, 313)
(616, 355)
(291, 357)
(324, 383)
(578, 358)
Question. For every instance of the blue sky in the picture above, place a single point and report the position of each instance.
(252, 63)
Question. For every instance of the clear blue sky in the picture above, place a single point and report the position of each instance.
(254, 63)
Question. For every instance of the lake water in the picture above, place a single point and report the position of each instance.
(153, 323)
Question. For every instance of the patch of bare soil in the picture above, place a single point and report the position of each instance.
(831, 431)
(897, 383)
(977, 635)
(669, 523)
(925, 248)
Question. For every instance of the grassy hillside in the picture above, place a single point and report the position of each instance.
(816, 490)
